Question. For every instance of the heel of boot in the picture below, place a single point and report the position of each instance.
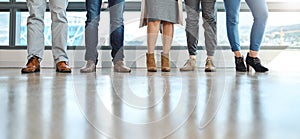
(248, 68)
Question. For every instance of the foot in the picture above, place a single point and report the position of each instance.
(255, 63)
(165, 62)
(239, 64)
(89, 67)
(209, 66)
(121, 67)
(190, 65)
(33, 65)
(150, 61)
(63, 67)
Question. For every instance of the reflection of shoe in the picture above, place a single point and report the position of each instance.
(33, 65)
(151, 66)
(165, 62)
(209, 66)
(63, 67)
(120, 67)
(239, 64)
(190, 65)
(255, 63)
(89, 67)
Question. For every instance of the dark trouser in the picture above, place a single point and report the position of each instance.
(116, 8)
(209, 25)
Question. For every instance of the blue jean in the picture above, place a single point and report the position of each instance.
(259, 12)
(59, 29)
(116, 9)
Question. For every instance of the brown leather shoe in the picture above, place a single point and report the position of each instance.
(33, 65)
(62, 66)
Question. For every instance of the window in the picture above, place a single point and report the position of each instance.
(75, 28)
(283, 32)
(4, 28)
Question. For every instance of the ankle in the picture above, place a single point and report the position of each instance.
(210, 57)
(192, 57)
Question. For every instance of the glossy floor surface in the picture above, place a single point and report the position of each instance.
(142, 105)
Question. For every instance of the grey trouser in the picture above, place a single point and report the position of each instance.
(209, 25)
(59, 29)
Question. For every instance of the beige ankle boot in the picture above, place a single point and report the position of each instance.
(165, 62)
(151, 66)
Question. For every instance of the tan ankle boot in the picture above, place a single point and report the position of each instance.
(151, 66)
(165, 62)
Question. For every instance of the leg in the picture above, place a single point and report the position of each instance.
(210, 26)
(260, 13)
(35, 28)
(116, 10)
(59, 31)
(232, 8)
(168, 31)
(117, 29)
(192, 25)
(210, 32)
(35, 35)
(59, 28)
(192, 33)
(152, 33)
(91, 29)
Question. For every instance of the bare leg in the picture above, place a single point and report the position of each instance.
(168, 31)
(253, 53)
(152, 32)
(237, 53)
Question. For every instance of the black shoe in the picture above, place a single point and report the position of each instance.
(239, 64)
(254, 62)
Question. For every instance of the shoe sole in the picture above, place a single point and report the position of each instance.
(63, 71)
(209, 70)
(194, 69)
(122, 71)
(37, 70)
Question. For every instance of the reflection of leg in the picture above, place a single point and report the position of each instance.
(59, 28)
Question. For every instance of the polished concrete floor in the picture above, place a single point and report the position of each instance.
(142, 105)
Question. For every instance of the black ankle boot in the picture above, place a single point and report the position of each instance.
(254, 62)
(239, 64)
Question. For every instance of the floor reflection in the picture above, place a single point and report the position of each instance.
(174, 105)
